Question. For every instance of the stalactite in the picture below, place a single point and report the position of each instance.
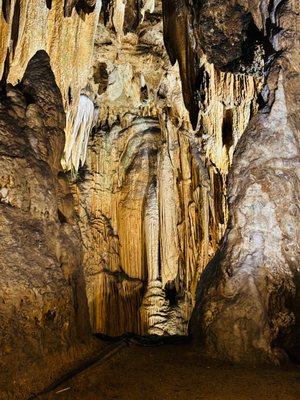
(180, 211)
(77, 139)
(123, 162)
(152, 207)
(180, 44)
(247, 306)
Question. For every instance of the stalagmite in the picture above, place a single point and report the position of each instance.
(247, 307)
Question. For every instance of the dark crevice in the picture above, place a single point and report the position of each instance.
(227, 129)
(28, 95)
(61, 217)
(82, 7)
(144, 93)
(6, 5)
(105, 11)
(15, 26)
(70, 98)
(133, 15)
(171, 294)
(100, 76)
(50, 316)
(81, 173)
(5, 74)
(49, 4)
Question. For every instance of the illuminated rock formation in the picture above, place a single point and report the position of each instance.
(148, 179)
(44, 63)
(151, 197)
(248, 297)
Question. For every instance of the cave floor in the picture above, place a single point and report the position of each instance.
(177, 372)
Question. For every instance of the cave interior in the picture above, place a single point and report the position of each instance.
(149, 200)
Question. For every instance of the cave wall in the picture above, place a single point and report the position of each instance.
(248, 298)
(43, 303)
(43, 306)
(151, 196)
(65, 29)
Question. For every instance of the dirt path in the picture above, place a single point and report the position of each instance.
(177, 372)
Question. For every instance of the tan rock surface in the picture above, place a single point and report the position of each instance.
(151, 197)
(43, 306)
(248, 298)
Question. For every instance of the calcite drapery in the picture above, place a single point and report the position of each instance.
(77, 140)
(151, 197)
(32, 25)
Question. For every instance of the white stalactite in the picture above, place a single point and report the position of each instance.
(77, 137)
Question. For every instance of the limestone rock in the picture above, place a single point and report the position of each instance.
(248, 298)
(151, 198)
(149, 170)
(43, 306)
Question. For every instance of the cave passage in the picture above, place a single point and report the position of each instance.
(149, 200)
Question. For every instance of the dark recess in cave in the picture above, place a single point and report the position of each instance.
(105, 11)
(100, 76)
(50, 316)
(28, 95)
(6, 5)
(61, 217)
(227, 129)
(49, 4)
(70, 99)
(132, 15)
(82, 7)
(5, 74)
(144, 93)
(171, 294)
(15, 26)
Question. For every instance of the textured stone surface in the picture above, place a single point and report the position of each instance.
(43, 306)
(32, 25)
(151, 197)
(248, 298)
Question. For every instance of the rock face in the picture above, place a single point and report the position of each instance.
(151, 197)
(43, 305)
(64, 29)
(248, 298)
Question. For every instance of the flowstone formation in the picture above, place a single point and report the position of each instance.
(151, 197)
(248, 298)
(43, 305)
